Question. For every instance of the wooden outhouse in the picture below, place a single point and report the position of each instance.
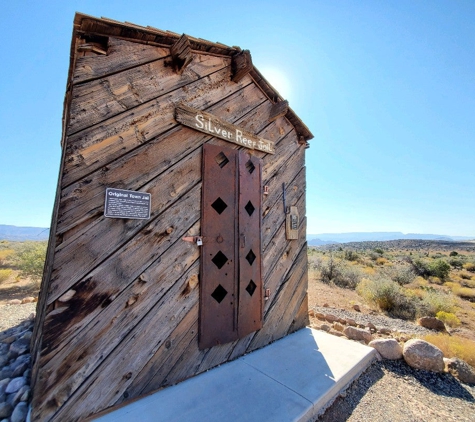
(178, 232)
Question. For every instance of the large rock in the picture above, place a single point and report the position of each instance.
(354, 333)
(431, 323)
(387, 348)
(461, 370)
(420, 354)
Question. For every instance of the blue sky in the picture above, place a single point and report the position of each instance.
(386, 87)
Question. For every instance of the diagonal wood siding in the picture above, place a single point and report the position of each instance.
(118, 311)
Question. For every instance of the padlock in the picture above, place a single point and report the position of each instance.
(199, 241)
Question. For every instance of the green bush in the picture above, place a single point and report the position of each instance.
(351, 255)
(389, 296)
(336, 272)
(30, 259)
(456, 263)
(401, 274)
(453, 253)
(5, 274)
(439, 268)
(434, 301)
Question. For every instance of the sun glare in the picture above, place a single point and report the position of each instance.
(278, 80)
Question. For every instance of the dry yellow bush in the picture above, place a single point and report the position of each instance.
(5, 274)
(454, 346)
(381, 261)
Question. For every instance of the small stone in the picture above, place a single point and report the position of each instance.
(26, 336)
(15, 384)
(384, 330)
(371, 326)
(319, 315)
(19, 394)
(3, 360)
(387, 348)
(420, 354)
(336, 333)
(29, 299)
(342, 321)
(20, 346)
(338, 327)
(461, 370)
(362, 326)
(27, 374)
(22, 367)
(326, 305)
(14, 302)
(9, 340)
(26, 395)
(325, 327)
(311, 313)
(5, 410)
(330, 318)
(358, 334)
(357, 308)
(32, 316)
(3, 385)
(431, 323)
(20, 412)
(351, 322)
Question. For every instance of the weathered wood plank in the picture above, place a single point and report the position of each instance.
(101, 99)
(89, 150)
(285, 308)
(121, 55)
(241, 65)
(135, 349)
(279, 109)
(82, 199)
(181, 54)
(153, 375)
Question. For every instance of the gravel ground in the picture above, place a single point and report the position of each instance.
(11, 315)
(379, 321)
(391, 391)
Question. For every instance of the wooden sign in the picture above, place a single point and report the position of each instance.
(212, 125)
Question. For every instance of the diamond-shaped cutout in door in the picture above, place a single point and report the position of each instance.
(219, 205)
(250, 166)
(250, 257)
(219, 293)
(220, 259)
(251, 287)
(249, 208)
(221, 159)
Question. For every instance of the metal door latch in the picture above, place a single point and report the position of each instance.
(267, 295)
(194, 239)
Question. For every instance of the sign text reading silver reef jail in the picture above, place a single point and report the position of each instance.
(212, 125)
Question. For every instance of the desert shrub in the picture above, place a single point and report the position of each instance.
(421, 268)
(351, 255)
(30, 259)
(379, 251)
(5, 256)
(456, 263)
(389, 296)
(453, 253)
(454, 346)
(439, 268)
(469, 266)
(341, 275)
(5, 274)
(381, 261)
(434, 301)
(448, 318)
(465, 276)
(468, 283)
(464, 292)
(401, 274)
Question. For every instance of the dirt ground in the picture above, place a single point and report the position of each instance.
(13, 289)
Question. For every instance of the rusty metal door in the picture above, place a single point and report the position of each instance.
(230, 283)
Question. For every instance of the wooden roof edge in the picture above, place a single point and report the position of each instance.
(145, 34)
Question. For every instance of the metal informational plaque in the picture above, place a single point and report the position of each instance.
(127, 204)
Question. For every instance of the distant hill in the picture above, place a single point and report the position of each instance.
(23, 233)
(331, 238)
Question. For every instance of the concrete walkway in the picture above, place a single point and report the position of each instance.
(293, 379)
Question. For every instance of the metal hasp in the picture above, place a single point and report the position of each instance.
(231, 281)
